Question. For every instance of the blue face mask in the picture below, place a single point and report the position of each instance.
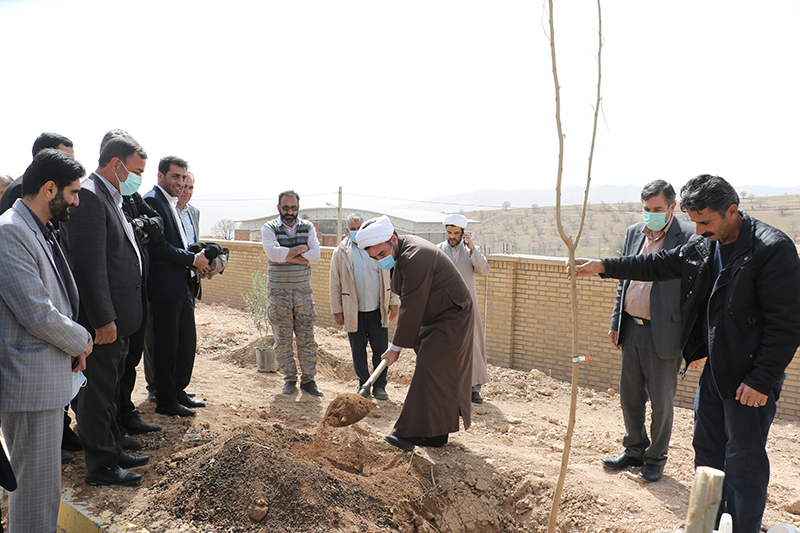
(655, 221)
(131, 184)
(353, 236)
(387, 262)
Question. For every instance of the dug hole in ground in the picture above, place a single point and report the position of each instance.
(257, 460)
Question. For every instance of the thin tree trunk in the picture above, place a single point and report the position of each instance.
(572, 245)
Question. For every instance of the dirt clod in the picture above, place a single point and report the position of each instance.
(347, 409)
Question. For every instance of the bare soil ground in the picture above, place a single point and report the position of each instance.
(256, 460)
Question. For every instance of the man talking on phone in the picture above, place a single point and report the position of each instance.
(469, 262)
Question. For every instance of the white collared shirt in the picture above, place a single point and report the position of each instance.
(277, 253)
(173, 204)
(126, 226)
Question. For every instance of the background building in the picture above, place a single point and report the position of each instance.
(425, 224)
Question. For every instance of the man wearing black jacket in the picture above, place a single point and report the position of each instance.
(147, 225)
(744, 276)
(171, 299)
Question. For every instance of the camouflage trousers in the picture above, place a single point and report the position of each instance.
(291, 313)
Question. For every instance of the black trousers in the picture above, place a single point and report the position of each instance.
(175, 345)
(95, 405)
(369, 331)
(125, 407)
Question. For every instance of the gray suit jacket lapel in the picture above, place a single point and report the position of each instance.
(26, 216)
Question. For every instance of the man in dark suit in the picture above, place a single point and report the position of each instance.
(171, 299)
(40, 339)
(646, 326)
(108, 271)
(46, 140)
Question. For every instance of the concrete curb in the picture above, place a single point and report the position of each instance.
(73, 518)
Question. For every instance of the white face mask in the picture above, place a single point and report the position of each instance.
(78, 381)
(656, 221)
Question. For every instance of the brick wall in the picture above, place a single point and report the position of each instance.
(525, 303)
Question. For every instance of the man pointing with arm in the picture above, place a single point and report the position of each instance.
(740, 307)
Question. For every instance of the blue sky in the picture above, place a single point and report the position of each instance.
(405, 100)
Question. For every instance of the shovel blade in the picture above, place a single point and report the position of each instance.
(347, 409)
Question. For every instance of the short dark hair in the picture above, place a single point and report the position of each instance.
(122, 147)
(707, 191)
(111, 134)
(656, 187)
(49, 140)
(166, 162)
(289, 193)
(51, 164)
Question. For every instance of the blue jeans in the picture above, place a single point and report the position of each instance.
(369, 330)
(732, 437)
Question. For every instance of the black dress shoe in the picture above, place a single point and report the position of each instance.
(187, 401)
(129, 443)
(70, 441)
(476, 397)
(135, 426)
(621, 462)
(434, 442)
(651, 473)
(127, 460)
(311, 388)
(175, 409)
(289, 387)
(66, 457)
(190, 394)
(404, 444)
(379, 393)
(113, 475)
(151, 396)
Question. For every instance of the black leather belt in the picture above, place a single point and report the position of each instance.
(638, 321)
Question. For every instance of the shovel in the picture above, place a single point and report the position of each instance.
(347, 409)
(364, 390)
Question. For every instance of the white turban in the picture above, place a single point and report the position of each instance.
(456, 220)
(374, 231)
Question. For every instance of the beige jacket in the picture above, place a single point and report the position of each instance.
(343, 288)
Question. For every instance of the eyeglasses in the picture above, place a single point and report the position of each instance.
(287, 208)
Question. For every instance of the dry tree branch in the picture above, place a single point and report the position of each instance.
(594, 125)
(571, 247)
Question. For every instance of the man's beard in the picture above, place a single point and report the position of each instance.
(59, 207)
(287, 218)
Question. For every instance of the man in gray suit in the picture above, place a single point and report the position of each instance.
(190, 218)
(108, 271)
(646, 326)
(190, 215)
(41, 341)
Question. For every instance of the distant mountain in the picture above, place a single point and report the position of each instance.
(488, 199)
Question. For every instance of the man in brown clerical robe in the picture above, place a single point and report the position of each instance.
(436, 320)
